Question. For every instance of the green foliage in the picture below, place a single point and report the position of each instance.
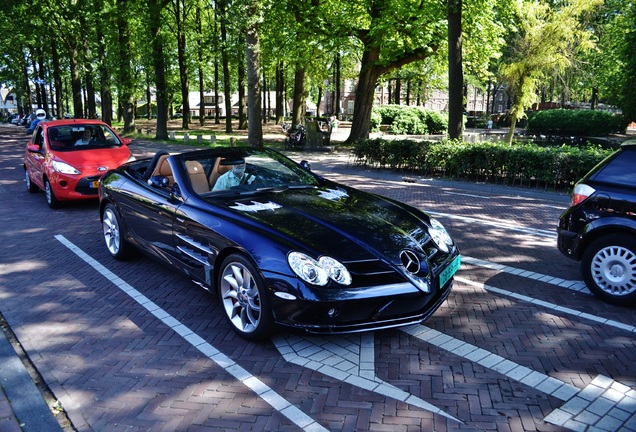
(376, 120)
(576, 122)
(409, 120)
(545, 42)
(522, 164)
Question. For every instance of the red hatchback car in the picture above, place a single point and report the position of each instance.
(66, 158)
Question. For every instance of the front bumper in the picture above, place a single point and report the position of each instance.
(68, 188)
(568, 243)
(371, 309)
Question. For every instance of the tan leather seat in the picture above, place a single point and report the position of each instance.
(217, 171)
(198, 179)
(163, 169)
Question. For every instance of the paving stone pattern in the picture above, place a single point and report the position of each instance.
(116, 367)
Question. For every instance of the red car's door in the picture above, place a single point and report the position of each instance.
(35, 157)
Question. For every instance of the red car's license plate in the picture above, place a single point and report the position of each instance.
(94, 184)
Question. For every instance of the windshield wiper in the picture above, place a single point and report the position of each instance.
(274, 189)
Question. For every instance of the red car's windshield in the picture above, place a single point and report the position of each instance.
(81, 137)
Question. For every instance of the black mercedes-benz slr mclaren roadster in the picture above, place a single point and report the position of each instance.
(282, 246)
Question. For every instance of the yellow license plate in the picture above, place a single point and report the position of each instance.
(450, 271)
(95, 184)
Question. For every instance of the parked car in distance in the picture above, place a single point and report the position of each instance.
(66, 158)
(281, 246)
(599, 227)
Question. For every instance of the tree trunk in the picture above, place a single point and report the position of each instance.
(365, 94)
(227, 90)
(182, 61)
(57, 80)
(200, 67)
(217, 114)
(154, 9)
(242, 108)
(337, 111)
(280, 93)
(455, 71)
(511, 132)
(254, 126)
(318, 100)
(88, 71)
(125, 70)
(594, 100)
(42, 86)
(299, 108)
(76, 84)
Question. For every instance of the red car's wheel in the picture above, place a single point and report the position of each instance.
(31, 187)
(51, 200)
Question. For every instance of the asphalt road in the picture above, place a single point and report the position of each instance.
(520, 344)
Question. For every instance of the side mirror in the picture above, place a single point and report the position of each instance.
(126, 141)
(159, 181)
(306, 165)
(162, 182)
(33, 148)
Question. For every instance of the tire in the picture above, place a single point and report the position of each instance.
(31, 187)
(243, 296)
(51, 200)
(114, 235)
(608, 267)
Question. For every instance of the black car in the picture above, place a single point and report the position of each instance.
(599, 227)
(281, 245)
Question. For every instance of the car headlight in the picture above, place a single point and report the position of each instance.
(318, 272)
(65, 168)
(440, 236)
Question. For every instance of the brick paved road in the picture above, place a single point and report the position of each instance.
(518, 346)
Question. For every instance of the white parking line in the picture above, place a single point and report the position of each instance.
(348, 358)
(548, 305)
(276, 401)
(578, 286)
(604, 405)
(492, 223)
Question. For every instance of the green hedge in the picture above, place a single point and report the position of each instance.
(555, 168)
(576, 122)
(411, 120)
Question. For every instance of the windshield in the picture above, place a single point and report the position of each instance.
(244, 171)
(81, 137)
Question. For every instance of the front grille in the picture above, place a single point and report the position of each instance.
(84, 186)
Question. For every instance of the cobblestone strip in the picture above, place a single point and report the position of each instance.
(512, 370)
(348, 358)
(603, 406)
(277, 402)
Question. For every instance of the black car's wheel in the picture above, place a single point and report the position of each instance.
(116, 244)
(609, 269)
(51, 200)
(31, 187)
(244, 299)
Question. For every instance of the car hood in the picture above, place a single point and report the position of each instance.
(336, 220)
(95, 159)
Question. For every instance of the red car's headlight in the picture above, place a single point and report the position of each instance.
(65, 168)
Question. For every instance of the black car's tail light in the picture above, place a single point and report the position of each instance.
(580, 193)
